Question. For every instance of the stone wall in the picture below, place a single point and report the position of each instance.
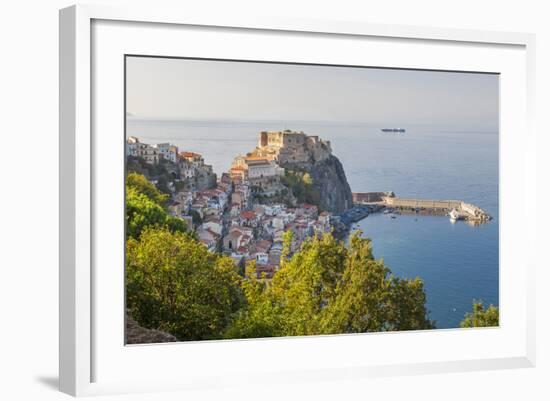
(292, 147)
(423, 203)
(471, 211)
(369, 197)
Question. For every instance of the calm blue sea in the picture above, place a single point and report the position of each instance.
(458, 262)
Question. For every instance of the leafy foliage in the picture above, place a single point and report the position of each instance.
(158, 171)
(326, 288)
(300, 183)
(142, 212)
(142, 185)
(197, 219)
(162, 185)
(175, 285)
(481, 317)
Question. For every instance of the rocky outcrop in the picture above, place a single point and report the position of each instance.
(135, 334)
(329, 178)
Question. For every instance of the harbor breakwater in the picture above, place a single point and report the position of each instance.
(465, 211)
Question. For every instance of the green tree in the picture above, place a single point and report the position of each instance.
(197, 219)
(260, 317)
(162, 185)
(142, 212)
(300, 183)
(327, 288)
(175, 285)
(143, 186)
(481, 317)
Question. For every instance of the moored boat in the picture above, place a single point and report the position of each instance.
(454, 215)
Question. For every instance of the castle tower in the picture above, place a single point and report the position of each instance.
(263, 139)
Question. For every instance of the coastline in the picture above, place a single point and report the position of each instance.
(365, 169)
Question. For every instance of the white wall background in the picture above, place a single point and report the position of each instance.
(29, 200)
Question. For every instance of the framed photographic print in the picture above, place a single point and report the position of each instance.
(290, 199)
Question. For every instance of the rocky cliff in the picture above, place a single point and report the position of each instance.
(135, 334)
(329, 179)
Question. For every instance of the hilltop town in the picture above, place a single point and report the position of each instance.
(246, 211)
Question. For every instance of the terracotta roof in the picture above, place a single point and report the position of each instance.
(235, 234)
(248, 214)
(236, 229)
(242, 249)
(189, 154)
(263, 245)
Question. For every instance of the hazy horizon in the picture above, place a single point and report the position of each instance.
(189, 89)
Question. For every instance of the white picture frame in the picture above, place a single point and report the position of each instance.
(82, 344)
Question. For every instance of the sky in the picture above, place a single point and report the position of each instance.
(167, 88)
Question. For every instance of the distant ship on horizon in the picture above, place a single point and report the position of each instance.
(400, 130)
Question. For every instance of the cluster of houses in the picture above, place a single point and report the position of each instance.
(184, 165)
(151, 153)
(224, 215)
(258, 234)
(232, 224)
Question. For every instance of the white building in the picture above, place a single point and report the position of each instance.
(132, 146)
(167, 151)
(254, 168)
(213, 225)
(209, 238)
(187, 170)
(261, 258)
(138, 149)
(148, 152)
(263, 168)
(194, 158)
(151, 153)
(278, 223)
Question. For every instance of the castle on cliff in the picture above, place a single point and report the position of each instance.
(278, 151)
(292, 147)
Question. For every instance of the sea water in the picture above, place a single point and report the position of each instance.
(458, 262)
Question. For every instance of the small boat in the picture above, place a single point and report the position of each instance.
(387, 211)
(393, 216)
(454, 215)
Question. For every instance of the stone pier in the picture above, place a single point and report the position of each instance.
(466, 211)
